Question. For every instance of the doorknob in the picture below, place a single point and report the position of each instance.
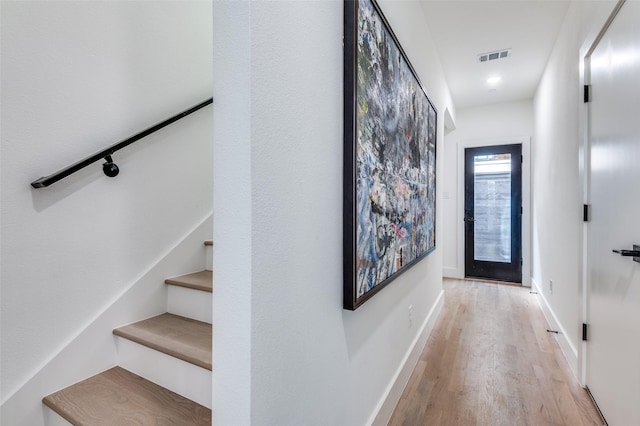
(635, 253)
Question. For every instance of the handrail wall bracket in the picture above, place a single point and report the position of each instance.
(110, 168)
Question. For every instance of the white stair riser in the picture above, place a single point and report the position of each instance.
(190, 303)
(179, 376)
(51, 418)
(209, 254)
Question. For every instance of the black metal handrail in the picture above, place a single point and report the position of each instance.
(109, 168)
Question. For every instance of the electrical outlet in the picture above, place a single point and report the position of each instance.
(551, 286)
(410, 316)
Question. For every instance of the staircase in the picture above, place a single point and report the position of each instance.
(164, 371)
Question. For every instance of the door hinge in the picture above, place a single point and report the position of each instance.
(521, 210)
(586, 212)
(587, 93)
(584, 332)
(521, 158)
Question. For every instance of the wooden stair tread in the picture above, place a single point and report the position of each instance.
(118, 397)
(202, 281)
(180, 337)
(208, 243)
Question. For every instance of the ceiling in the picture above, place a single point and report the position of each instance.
(463, 29)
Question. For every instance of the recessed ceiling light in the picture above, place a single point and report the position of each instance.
(494, 80)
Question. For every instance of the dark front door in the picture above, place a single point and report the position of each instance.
(493, 213)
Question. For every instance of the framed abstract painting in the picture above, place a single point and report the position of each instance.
(389, 157)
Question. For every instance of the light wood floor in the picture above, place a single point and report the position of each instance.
(490, 361)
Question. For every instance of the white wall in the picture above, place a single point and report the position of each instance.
(76, 77)
(311, 362)
(557, 187)
(504, 122)
(232, 212)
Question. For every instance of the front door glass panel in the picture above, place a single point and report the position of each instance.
(492, 201)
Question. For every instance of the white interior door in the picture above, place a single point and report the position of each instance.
(613, 361)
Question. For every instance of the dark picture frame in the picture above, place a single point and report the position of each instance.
(389, 157)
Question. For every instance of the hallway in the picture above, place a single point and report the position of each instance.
(491, 361)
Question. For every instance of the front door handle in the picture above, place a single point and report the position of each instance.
(635, 253)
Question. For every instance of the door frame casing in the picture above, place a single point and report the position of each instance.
(525, 141)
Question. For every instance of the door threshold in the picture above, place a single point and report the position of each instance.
(488, 281)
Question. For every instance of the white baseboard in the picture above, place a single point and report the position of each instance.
(449, 272)
(392, 394)
(568, 350)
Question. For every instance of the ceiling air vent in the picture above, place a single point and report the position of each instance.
(492, 56)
